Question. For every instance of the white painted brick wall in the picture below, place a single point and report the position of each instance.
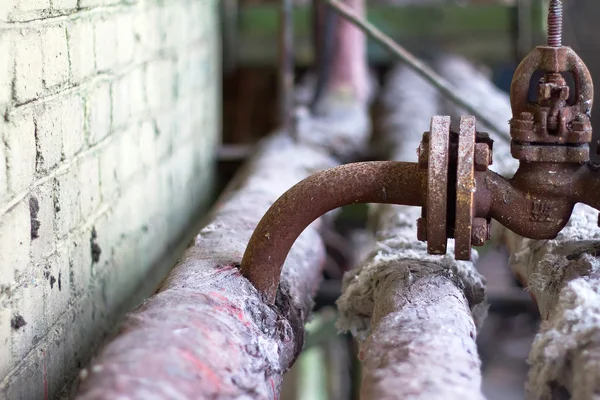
(56, 57)
(108, 128)
(19, 138)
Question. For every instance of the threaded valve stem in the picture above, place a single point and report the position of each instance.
(555, 21)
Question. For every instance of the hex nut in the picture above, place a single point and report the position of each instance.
(479, 232)
(483, 156)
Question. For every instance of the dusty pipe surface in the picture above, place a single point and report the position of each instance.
(370, 182)
(563, 276)
(412, 313)
(207, 333)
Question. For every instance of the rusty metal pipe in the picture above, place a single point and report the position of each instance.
(586, 187)
(529, 213)
(367, 182)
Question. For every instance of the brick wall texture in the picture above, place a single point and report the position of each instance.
(109, 115)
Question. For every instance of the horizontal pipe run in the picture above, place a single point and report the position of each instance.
(370, 182)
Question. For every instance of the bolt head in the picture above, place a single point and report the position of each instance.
(480, 231)
(483, 156)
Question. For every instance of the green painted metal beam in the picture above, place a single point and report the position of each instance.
(480, 31)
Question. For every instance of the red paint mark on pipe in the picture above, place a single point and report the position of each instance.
(230, 308)
(273, 387)
(209, 373)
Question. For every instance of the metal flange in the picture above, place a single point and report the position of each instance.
(451, 161)
(434, 155)
(465, 188)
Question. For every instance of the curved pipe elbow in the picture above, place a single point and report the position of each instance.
(368, 182)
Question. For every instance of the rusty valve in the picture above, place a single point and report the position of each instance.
(451, 181)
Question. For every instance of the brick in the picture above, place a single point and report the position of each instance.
(57, 285)
(56, 57)
(146, 27)
(72, 121)
(174, 24)
(6, 8)
(109, 233)
(6, 66)
(64, 4)
(198, 20)
(128, 94)
(14, 241)
(198, 72)
(66, 202)
(105, 34)
(32, 5)
(20, 151)
(59, 131)
(124, 277)
(81, 50)
(89, 185)
(5, 340)
(22, 386)
(29, 302)
(126, 39)
(129, 210)
(28, 66)
(129, 154)
(109, 163)
(48, 136)
(164, 125)
(147, 145)
(98, 109)
(160, 84)
(41, 215)
(56, 362)
(3, 172)
(80, 263)
(121, 103)
(137, 91)
(95, 3)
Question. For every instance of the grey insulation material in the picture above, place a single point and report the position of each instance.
(415, 315)
(207, 333)
(563, 275)
(407, 105)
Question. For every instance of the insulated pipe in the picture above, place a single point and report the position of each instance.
(368, 182)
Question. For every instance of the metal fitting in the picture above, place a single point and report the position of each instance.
(451, 182)
(551, 129)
